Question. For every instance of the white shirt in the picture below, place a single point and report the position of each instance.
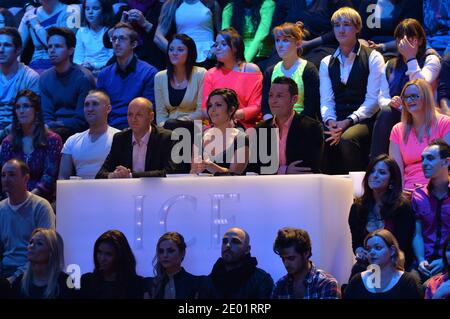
(88, 156)
(429, 72)
(370, 105)
(140, 152)
(196, 20)
(17, 207)
(90, 48)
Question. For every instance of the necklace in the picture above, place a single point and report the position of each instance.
(179, 85)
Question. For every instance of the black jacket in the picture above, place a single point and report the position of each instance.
(304, 142)
(187, 286)
(158, 160)
(245, 282)
(94, 287)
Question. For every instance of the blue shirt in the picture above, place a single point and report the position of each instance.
(122, 86)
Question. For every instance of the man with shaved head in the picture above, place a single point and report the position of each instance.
(84, 153)
(235, 275)
(143, 150)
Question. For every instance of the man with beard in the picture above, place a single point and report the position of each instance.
(235, 275)
(303, 279)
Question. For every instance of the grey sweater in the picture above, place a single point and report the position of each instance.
(16, 228)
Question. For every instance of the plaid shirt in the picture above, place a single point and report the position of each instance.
(318, 284)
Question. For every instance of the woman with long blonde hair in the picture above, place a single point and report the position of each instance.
(43, 277)
(420, 124)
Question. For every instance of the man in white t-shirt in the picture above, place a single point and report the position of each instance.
(84, 153)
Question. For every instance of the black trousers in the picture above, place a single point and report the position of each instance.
(352, 151)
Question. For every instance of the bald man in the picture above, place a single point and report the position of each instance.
(143, 150)
(235, 275)
(84, 153)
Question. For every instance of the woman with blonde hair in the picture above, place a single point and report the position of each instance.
(288, 41)
(386, 279)
(420, 124)
(44, 277)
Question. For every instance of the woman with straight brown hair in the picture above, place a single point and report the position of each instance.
(44, 277)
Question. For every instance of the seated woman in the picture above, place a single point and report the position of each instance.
(35, 22)
(288, 42)
(96, 17)
(252, 19)
(225, 147)
(178, 90)
(171, 281)
(438, 287)
(33, 143)
(44, 277)
(389, 280)
(114, 275)
(349, 87)
(380, 18)
(421, 123)
(234, 73)
(414, 61)
(381, 206)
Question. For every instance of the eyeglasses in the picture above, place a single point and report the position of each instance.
(412, 97)
(119, 38)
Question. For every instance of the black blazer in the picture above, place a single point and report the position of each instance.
(158, 161)
(304, 142)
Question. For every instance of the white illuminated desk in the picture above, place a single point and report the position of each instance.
(201, 209)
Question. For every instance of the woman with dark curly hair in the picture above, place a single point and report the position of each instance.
(33, 143)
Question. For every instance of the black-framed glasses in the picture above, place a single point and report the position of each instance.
(121, 39)
(411, 97)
